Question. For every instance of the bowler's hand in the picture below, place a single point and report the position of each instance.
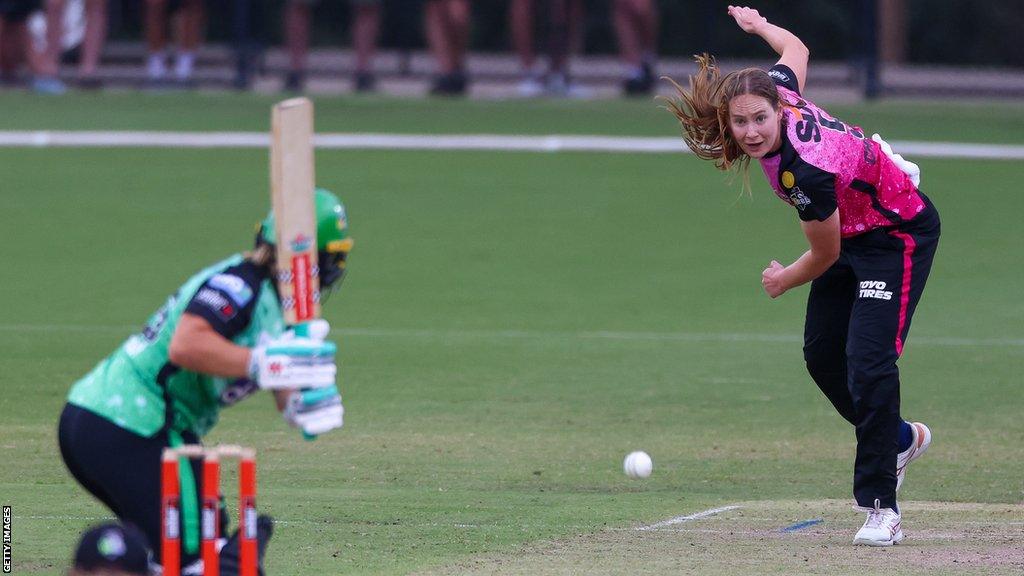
(747, 18)
(771, 279)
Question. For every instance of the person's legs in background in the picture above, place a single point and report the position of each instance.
(365, 29)
(13, 46)
(636, 25)
(156, 39)
(521, 26)
(188, 23)
(45, 63)
(297, 15)
(92, 42)
(447, 30)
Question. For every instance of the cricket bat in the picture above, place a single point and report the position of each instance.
(291, 197)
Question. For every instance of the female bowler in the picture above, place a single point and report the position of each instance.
(872, 237)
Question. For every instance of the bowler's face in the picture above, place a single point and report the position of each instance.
(755, 125)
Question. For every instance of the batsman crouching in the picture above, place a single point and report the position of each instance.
(220, 338)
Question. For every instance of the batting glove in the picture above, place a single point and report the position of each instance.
(315, 411)
(297, 359)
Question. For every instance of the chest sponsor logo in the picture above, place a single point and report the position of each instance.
(233, 286)
(799, 199)
(874, 289)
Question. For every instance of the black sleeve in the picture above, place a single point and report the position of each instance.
(783, 76)
(227, 299)
(814, 195)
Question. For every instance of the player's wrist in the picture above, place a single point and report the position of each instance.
(253, 363)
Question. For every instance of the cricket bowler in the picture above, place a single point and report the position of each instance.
(872, 237)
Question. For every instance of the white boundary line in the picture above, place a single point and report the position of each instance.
(492, 142)
(954, 342)
(681, 519)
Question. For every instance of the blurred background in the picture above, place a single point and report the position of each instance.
(498, 48)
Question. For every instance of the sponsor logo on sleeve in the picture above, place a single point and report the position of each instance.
(233, 286)
(779, 75)
(217, 302)
(874, 289)
(799, 199)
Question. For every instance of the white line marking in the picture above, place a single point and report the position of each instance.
(493, 142)
(433, 334)
(681, 519)
(90, 518)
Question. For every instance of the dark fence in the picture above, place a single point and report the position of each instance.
(935, 31)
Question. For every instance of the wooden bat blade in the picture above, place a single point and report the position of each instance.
(292, 198)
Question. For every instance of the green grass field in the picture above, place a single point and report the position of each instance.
(512, 325)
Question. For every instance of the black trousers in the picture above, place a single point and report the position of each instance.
(120, 468)
(858, 318)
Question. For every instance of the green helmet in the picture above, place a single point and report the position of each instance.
(331, 223)
(332, 239)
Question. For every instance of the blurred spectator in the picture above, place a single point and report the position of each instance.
(16, 47)
(45, 61)
(92, 43)
(112, 549)
(365, 28)
(563, 37)
(636, 25)
(13, 37)
(188, 28)
(447, 29)
(81, 24)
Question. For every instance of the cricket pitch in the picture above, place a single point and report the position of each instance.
(782, 537)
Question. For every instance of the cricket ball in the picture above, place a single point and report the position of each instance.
(637, 465)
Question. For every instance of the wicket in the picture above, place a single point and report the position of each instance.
(170, 507)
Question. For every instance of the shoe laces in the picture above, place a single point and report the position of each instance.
(875, 516)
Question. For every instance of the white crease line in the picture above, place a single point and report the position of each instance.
(681, 519)
(540, 335)
(492, 142)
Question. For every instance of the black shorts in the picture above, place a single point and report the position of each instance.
(118, 467)
(18, 10)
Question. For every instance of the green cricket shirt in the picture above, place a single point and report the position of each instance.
(135, 386)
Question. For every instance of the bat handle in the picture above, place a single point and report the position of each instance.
(316, 329)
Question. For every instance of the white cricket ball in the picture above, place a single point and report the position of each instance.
(637, 465)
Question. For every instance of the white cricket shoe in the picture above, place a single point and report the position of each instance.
(882, 528)
(921, 439)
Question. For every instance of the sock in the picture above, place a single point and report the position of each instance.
(906, 436)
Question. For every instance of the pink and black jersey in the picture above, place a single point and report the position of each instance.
(825, 165)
